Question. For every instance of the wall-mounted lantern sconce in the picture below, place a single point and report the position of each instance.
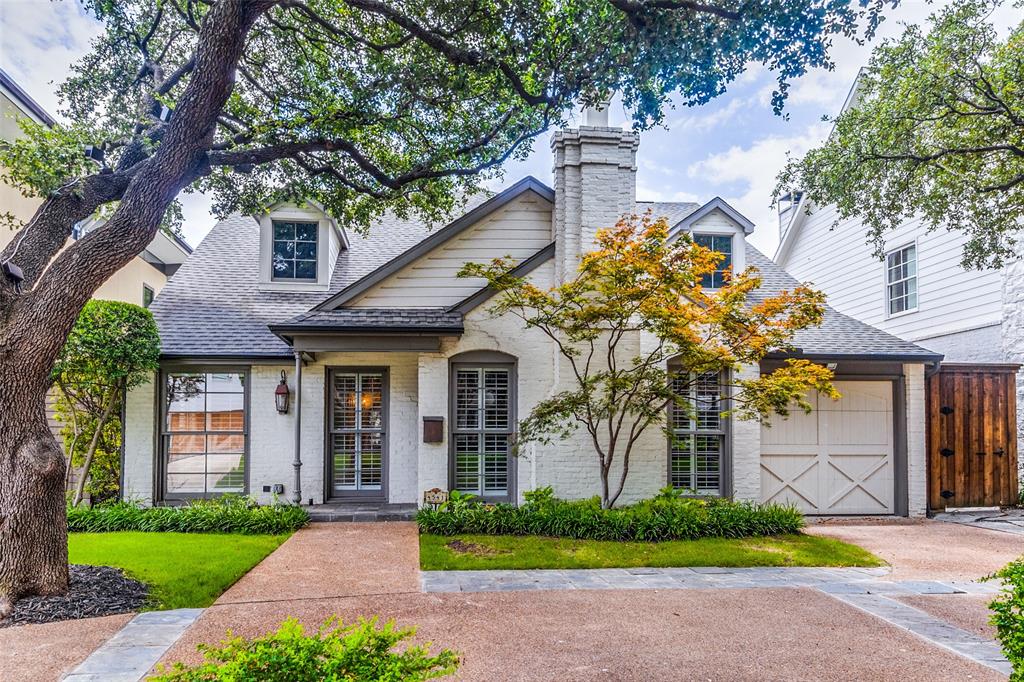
(282, 395)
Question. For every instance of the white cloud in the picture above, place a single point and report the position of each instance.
(753, 168)
(39, 40)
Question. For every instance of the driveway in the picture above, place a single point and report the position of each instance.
(922, 549)
(357, 570)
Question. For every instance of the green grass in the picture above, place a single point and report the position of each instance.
(475, 552)
(183, 570)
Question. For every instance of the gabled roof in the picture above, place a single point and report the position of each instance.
(805, 207)
(23, 100)
(445, 234)
(716, 204)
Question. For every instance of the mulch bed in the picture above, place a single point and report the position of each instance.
(94, 591)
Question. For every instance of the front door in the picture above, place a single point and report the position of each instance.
(357, 433)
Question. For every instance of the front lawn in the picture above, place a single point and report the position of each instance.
(183, 570)
(476, 552)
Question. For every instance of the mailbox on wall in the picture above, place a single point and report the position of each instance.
(433, 429)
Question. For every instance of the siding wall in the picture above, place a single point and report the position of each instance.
(840, 262)
(519, 230)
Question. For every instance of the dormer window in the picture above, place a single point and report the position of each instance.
(722, 243)
(295, 251)
(299, 247)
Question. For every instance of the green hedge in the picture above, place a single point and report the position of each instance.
(1008, 616)
(223, 515)
(669, 516)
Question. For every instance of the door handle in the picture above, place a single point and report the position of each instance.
(999, 452)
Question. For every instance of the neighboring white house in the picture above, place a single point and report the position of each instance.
(379, 343)
(918, 291)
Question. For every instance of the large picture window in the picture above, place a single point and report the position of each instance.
(295, 245)
(482, 427)
(901, 279)
(204, 433)
(697, 447)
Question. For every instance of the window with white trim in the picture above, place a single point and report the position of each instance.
(722, 243)
(901, 279)
(697, 429)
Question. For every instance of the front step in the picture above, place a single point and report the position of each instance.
(365, 512)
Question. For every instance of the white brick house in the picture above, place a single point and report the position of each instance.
(380, 344)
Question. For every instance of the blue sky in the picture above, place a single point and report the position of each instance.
(732, 147)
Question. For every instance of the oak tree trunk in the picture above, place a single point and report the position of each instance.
(33, 523)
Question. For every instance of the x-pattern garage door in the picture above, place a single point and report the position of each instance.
(836, 460)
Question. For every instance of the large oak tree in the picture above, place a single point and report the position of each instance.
(936, 131)
(362, 105)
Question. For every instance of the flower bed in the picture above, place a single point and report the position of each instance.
(223, 515)
(668, 516)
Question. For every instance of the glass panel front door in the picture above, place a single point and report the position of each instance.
(356, 438)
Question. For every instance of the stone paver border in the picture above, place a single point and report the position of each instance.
(938, 632)
(832, 580)
(1005, 520)
(135, 649)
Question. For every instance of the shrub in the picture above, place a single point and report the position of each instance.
(351, 653)
(228, 514)
(668, 516)
(1008, 616)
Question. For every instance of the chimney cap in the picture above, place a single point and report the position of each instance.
(596, 115)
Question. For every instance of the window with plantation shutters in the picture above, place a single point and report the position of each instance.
(482, 425)
(697, 448)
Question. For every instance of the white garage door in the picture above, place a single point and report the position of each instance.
(836, 460)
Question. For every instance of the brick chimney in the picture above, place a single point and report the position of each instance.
(595, 184)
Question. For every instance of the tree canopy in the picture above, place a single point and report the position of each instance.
(636, 284)
(935, 130)
(367, 104)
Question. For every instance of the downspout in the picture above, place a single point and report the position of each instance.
(297, 462)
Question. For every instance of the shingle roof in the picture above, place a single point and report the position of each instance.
(672, 211)
(839, 335)
(373, 320)
(212, 306)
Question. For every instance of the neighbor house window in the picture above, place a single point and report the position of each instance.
(295, 245)
(722, 243)
(697, 428)
(482, 429)
(204, 434)
(901, 279)
(147, 295)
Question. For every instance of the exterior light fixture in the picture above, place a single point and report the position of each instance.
(282, 395)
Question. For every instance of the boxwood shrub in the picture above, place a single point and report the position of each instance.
(1008, 616)
(669, 516)
(223, 515)
(361, 651)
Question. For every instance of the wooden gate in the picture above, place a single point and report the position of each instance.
(972, 436)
